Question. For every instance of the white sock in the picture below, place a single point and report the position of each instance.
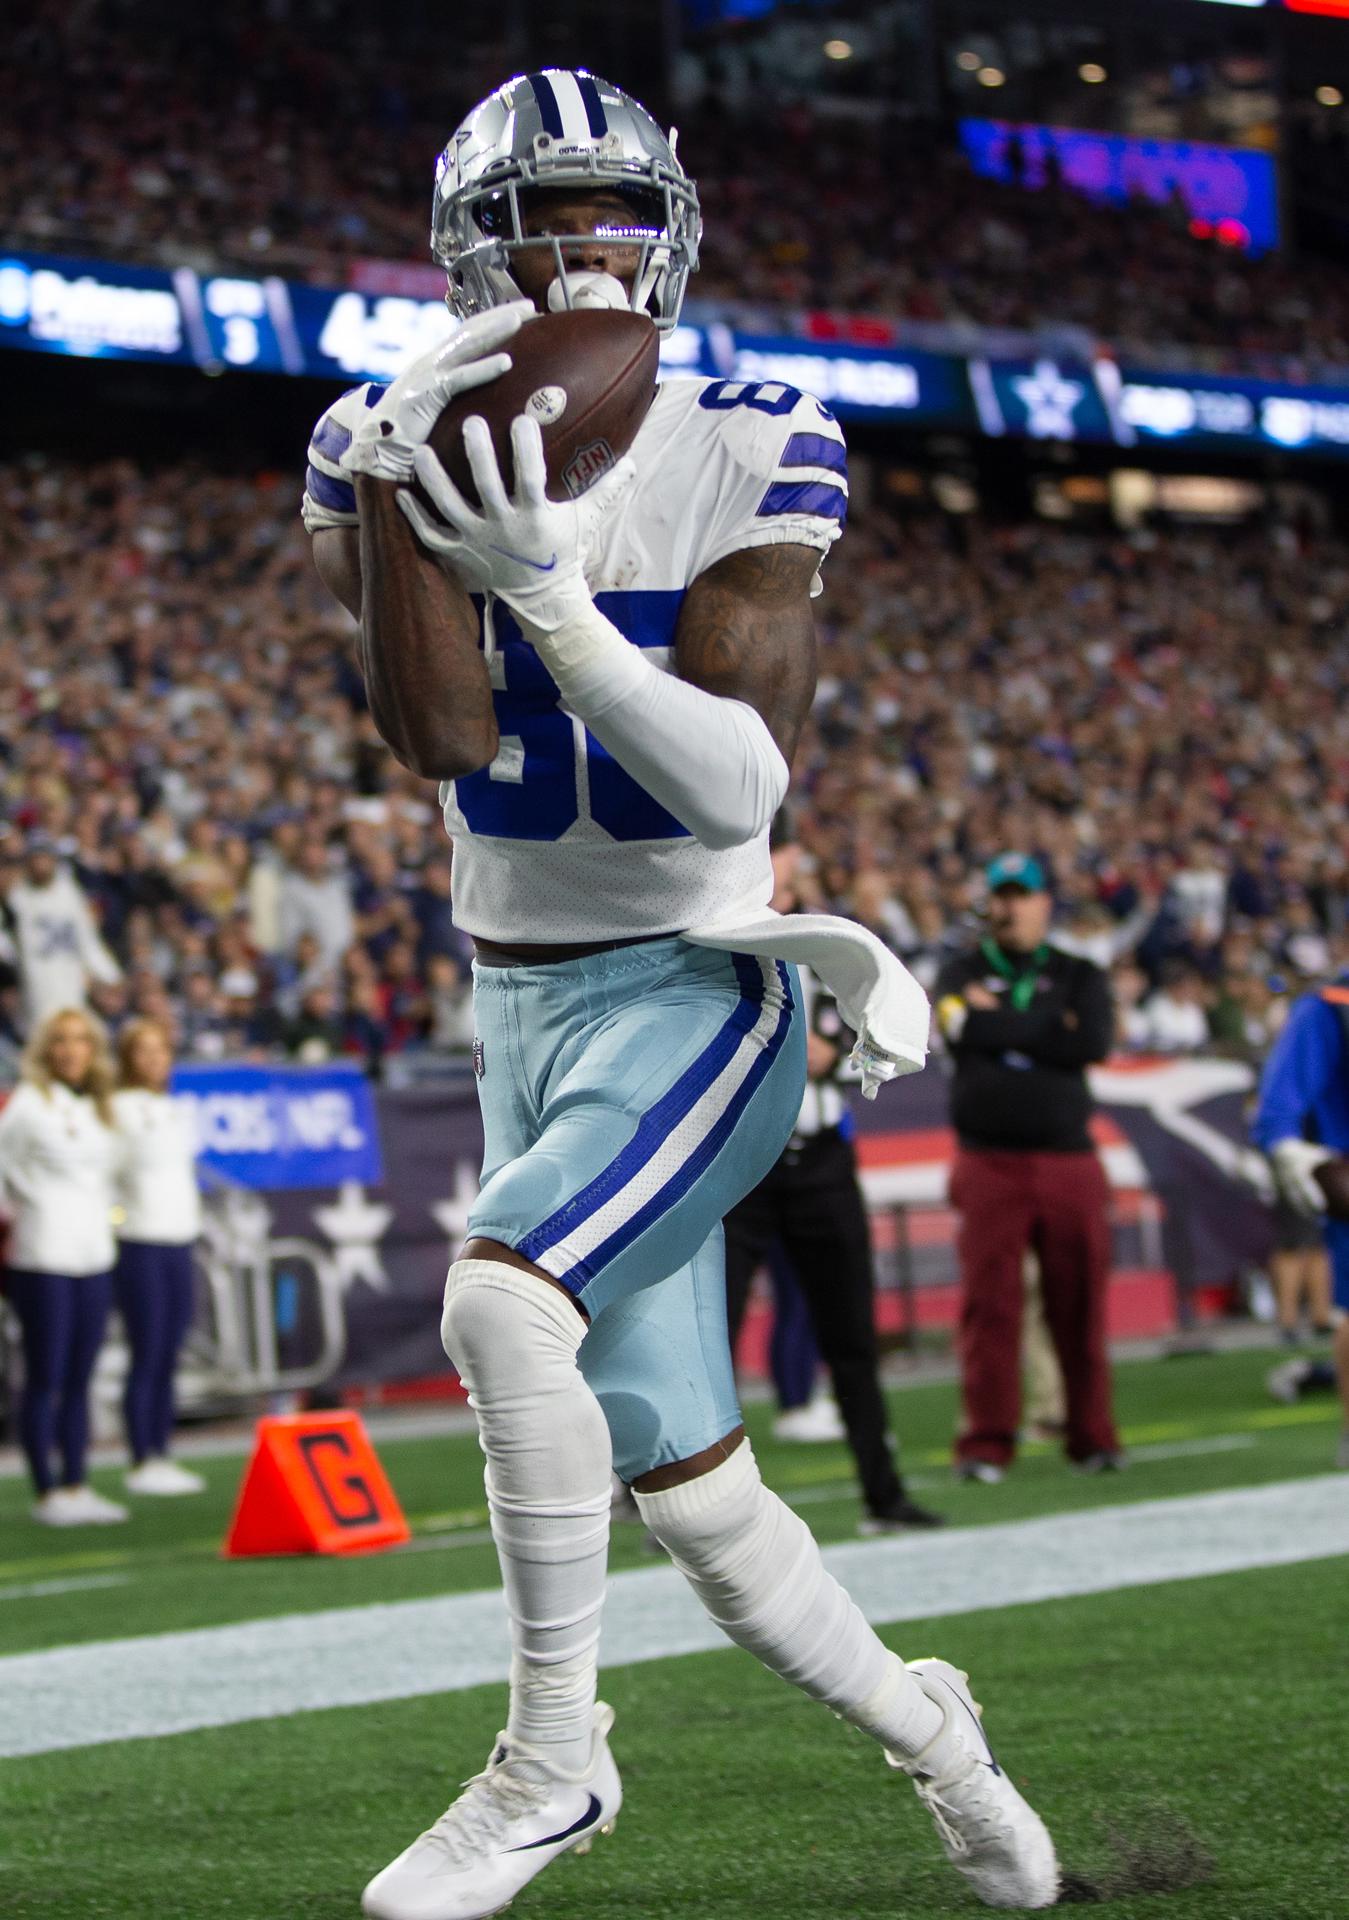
(514, 1340)
(756, 1567)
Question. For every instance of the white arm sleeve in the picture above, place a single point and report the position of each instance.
(709, 761)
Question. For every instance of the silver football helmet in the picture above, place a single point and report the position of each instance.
(560, 129)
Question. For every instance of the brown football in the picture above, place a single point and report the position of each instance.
(588, 377)
(1332, 1177)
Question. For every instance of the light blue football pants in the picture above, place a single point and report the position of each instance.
(629, 1099)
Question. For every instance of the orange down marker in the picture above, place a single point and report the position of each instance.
(314, 1485)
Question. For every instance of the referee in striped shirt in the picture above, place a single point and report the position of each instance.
(811, 1205)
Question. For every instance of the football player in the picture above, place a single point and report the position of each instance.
(610, 691)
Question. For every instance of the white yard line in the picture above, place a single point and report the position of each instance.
(1186, 1449)
(932, 1482)
(218, 1676)
(76, 1583)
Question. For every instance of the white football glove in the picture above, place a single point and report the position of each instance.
(391, 432)
(1294, 1162)
(530, 551)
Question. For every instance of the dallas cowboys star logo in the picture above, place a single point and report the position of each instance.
(355, 1227)
(1050, 401)
(451, 1215)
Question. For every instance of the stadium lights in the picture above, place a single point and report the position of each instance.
(1329, 97)
(991, 77)
(968, 60)
(837, 50)
(1092, 73)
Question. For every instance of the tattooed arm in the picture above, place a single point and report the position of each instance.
(746, 632)
(425, 677)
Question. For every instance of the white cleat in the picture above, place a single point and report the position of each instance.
(78, 1507)
(510, 1821)
(818, 1420)
(163, 1477)
(989, 1833)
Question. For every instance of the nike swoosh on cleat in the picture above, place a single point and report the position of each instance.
(587, 1819)
(520, 560)
(991, 1762)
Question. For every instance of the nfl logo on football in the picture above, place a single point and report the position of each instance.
(586, 466)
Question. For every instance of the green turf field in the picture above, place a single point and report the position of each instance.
(1193, 1424)
(1209, 1708)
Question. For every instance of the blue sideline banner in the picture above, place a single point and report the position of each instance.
(96, 309)
(283, 1128)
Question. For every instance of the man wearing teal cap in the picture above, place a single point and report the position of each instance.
(1023, 1021)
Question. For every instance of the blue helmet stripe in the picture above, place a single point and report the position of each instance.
(594, 106)
(546, 101)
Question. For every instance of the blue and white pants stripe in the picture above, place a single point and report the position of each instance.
(629, 1100)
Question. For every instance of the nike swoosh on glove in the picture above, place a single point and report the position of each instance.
(388, 437)
(530, 550)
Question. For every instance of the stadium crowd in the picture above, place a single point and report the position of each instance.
(230, 139)
(1161, 718)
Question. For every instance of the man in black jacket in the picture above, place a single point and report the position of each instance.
(811, 1205)
(1023, 1022)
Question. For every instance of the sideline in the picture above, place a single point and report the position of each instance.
(146, 1688)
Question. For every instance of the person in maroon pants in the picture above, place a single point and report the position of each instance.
(1023, 1021)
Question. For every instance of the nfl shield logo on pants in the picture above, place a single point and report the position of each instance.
(479, 1063)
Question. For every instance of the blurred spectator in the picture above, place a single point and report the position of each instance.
(240, 158)
(58, 1165)
(1133, 1029)
(316, 1033)
(56, 943)
(1177, 1021)
(450, 1005)
(1161, 715)
(316, 899)
(159, 1224)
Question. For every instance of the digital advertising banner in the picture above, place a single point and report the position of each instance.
(281, 1127)
(93, 309)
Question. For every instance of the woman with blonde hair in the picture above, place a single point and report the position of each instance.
(160, 1221)
(58, 1160)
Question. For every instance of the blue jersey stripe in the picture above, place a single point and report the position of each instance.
(647, 617)
(806, 496)
(594, 106)
(331, 438)
(815, 450)
(339, 496)
(546, 101)
(711, 1144)
(656, 1124)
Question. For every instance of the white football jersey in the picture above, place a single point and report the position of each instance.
(555, 841)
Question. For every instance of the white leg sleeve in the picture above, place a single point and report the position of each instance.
(756, 1567)
(514, 1340)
